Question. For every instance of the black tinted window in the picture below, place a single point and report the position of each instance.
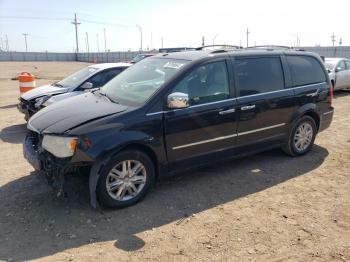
(206, 83)
(258, 75)
(103, 77)
(305, 70)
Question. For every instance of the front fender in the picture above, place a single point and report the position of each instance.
(108, 150)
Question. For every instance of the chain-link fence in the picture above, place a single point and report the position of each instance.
(108, 57)
(330, 51)
(82, 57)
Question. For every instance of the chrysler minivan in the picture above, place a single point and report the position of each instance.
(179, 110)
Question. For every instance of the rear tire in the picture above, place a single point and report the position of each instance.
(301, 138)
(126, 179)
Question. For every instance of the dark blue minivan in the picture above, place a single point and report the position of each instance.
(178, 110)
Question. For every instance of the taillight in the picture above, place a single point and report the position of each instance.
(330, 97)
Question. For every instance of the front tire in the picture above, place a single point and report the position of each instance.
(126, 179)
(301, 137)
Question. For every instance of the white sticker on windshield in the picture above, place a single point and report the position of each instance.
(174, 65)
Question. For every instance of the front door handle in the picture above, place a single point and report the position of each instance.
(229, 111)
(247, 107)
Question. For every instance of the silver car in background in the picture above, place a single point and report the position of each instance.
(86, 79)
(339, 72)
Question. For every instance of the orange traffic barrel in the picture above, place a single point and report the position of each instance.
(26, 82)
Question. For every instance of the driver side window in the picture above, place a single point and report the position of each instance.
(206, 83)
(101, 78)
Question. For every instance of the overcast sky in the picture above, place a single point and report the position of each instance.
(179, 22)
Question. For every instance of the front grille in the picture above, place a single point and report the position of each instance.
(36, 139)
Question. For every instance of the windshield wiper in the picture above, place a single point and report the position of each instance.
(105, 95)
(57, 84)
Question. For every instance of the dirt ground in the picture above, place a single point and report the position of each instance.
(268, 207)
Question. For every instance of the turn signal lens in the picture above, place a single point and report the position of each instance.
(73, 144)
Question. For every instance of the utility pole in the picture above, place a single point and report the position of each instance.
(98, 46)
(104, 33)
(140, 35)
(333, 38)
(247, 37)
(203, 41)
(7, 43)
(25, 40)
(215, 38)
(340, 41)
(75, 23)
(87, 42)
(162, 41)
(1, 45)
(151, 41)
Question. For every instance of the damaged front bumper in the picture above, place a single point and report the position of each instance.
(53, 168)
(27, 108)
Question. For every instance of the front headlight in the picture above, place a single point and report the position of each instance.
(60, 146)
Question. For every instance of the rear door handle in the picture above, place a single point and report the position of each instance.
(313, 94)
(229, 111)
(247, 107)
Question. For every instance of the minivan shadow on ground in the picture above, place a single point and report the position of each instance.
(35, 224)
(13, 134)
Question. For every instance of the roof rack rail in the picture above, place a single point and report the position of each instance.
(223, 47)
(274, 47)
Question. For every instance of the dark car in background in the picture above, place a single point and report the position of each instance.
(180, 110)
(88, 78)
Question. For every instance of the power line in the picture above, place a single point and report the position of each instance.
(33, 18)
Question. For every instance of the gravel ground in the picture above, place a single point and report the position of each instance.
(267, 207)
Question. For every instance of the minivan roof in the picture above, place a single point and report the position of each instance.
(195, 55)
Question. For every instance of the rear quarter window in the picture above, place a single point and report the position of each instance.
(305, 70)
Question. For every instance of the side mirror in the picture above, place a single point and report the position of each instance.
(87, 85)
(338, 69)
(178, 100)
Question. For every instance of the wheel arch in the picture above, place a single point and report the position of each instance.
(105, 158)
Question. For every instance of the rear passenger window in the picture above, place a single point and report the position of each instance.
(305, 70)
(258, 75)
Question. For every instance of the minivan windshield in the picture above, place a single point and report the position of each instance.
(140, 81)
(76, 78)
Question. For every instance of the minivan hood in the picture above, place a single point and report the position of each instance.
(43, 91)
(72, 112)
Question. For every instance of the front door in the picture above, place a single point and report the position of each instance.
(341, 75)
(209, 123)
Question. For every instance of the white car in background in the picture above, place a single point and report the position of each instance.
(339, 72)
(86, 79)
